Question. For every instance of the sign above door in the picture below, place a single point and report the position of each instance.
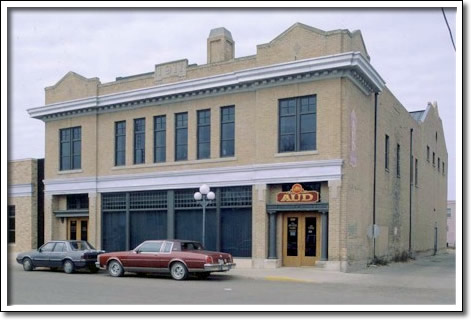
(298, 194)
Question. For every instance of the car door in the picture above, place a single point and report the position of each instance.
(57, 254)
(146, 257)
(41, 258)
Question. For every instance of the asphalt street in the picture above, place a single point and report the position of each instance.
(425, 281)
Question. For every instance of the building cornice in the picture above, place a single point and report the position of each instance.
(20, 190)
(351, 65)
(273, 173)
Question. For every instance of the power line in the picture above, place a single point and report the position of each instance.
(449, 30)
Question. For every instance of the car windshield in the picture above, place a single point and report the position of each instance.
(81, 245)
(191, 246)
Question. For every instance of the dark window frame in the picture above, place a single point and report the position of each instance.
(137, 134)
(386, 152)
(438, 162)
(11, 222)
(77, 201)
(71, 140)
(228, 121)
(181, 124)
(120, 149)
(398, 160)
(203, 115)
(160, 128)
(298, 114)
(416, 172)
(428, 154)
(433, 159)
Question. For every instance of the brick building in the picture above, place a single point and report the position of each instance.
(313, 160)
(25, 204)
(451, 224)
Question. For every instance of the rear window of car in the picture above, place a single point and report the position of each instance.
(80, 245)
(191, 246)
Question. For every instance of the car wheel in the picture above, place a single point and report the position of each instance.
(28, 264)
(203, 275)
(69, 266)
(178, 271)
(115, 269)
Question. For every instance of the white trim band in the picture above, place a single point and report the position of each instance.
(350, 60)
(20, 190)
(285, 172)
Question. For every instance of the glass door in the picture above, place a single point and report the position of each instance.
(301, 239)
(77, 229)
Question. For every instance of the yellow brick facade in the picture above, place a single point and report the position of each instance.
(23, 196)
(345, 133)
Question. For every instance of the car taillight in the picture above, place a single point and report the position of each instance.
(209, 259)
(230, 258)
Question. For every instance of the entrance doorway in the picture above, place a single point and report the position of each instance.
(77, 229)
(301, 239)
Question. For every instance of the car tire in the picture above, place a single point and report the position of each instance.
(203, 275)
(28, 264)
(178, 271)
(69, 266)
(115, 269)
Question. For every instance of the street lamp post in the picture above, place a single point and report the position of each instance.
(204, 198)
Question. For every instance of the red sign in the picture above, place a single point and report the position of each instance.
(298, 194)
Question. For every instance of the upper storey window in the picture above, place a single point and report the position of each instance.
(70, 148)
(297, 124)
(120, 143)
(139, 140)
(160, 137)
(204, 134)
(227, 131)
(181, 136)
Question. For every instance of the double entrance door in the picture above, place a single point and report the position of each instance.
(301, 239)
(77, 229)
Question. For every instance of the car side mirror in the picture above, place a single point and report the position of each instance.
(137, 251)
(40, 250)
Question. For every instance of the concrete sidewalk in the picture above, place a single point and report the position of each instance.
(418, 273)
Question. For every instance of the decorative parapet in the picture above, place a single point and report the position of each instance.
(350, 65)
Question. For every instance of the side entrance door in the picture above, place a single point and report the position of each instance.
(77, 229)
(301, 239)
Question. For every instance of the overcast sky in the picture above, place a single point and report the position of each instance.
(410, 48)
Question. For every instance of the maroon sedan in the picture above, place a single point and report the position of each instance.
(179, 257)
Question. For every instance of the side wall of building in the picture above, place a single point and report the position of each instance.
(402, 198)
(23, 194)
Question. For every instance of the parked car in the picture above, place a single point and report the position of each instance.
(67, 254)
(180, 258)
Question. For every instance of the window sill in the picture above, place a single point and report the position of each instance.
(296, 153)
(70, 171)
(175, 163)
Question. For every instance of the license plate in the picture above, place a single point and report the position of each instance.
(221, 261)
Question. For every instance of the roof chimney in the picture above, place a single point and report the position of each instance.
(220, 45)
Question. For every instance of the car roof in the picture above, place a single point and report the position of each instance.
(171, 240)
(65, 241)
